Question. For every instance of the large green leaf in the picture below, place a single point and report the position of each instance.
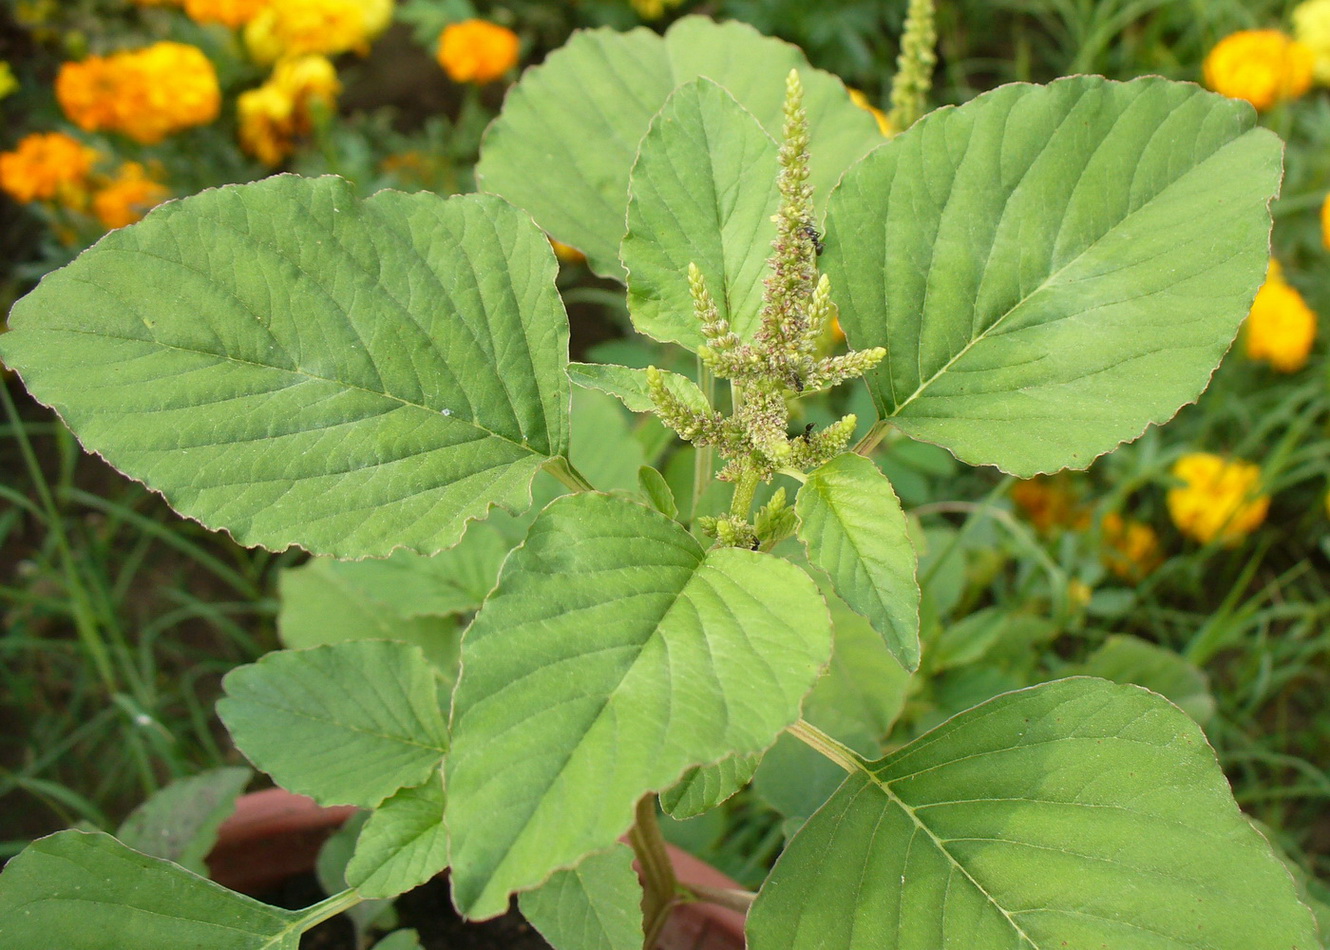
(1052, 269)
(298, 366)
(346, 724)
(403, 844)
(86, 891)
(1079, 813)
(180, 822)
(614, 654)
(702, 191)
(854, 529)
(1127, 659)
(565, 142)
(594, 906)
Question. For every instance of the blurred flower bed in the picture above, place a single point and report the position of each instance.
(1209, 539)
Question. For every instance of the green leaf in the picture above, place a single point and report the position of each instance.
(657, 491)
(594, 906)
(403, 844)
(703, 190)
(590, 103)
(629, 385)
(77, 890)
(399, 940)
(1079, 813)
(614, 654)
(346, 724)
(853, 527)
(703, 787)
(180, 822)
(1127, 659)
(299, 366)
(1053, 268)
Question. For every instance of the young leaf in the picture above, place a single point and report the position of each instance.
(403, 844)
(615, 653)
(346, 724)
(298, 366)
(594, 906)
(1053, 268)
(180, 822)
(853, 527)
(703, 787)
(657, 490)
(1079, 813)
(702, 190)
(80, 890)
(589, 104)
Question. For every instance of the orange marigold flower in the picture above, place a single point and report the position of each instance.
(1049, 504)
(1219, 499)
(1281, 327)
(146, 94)
(883, 121)
(128, 197)
(287, 28)
(278, 114)
(477, 51)
(1131, 548)
(1261, 66)
(232, 13)
(45, 166)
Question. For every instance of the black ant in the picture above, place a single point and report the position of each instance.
(810, 232)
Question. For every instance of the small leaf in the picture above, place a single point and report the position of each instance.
(594, 906)
(180, 822)
(346, 724)
(77, 890)
(399, 940)
(1079, 813)
(614, 654)
(1053, 268)
(703, 190)
(403, 844)
(703, 787)
(299, 366)
(853, 527)
(590, 103)
(629, 385)
(657, 490)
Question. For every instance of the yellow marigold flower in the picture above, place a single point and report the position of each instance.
(1261, 66)
(299, 27)
(277, 115)
(477, 51)
(1219, 499)
(1131, 548)
(46, 166)
(8, 83)
(146, 94)
(232, 13)
(1049, 504)
(1311, 25)
(128, 197)
(1281, 327)
(861, 100)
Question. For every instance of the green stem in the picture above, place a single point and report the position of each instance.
(704, 456)
(723, 896)
(659, 887)
(871, 440)
(744, 490)
(326, 909)
(837, 752)
(563, 470)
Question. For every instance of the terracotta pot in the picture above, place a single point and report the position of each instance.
(274, 835)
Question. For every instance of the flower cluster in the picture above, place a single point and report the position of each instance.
(1131, 548)
(146, 94)
(47, 166)
(1261, 66)
(477, 51)
(1281, 327)
(232, 13)
(1217, 499)
(127, 197)
(1050, 504)
(276, 116)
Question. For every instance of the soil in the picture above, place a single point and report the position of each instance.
(428, 910)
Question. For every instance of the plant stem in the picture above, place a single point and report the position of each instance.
(704, 456)
(744, 490)
(837, 752)
(659, 887)
(326, 909)
(723, 896)
(870, 441)
(563, 470)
